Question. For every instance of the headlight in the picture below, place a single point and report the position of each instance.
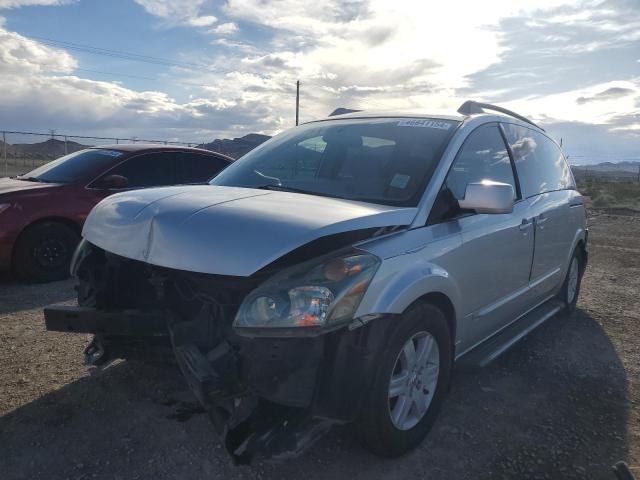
(4, 206)
(317, 295)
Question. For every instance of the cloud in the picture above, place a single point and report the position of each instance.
(21, 55)
(295, 15)
(602, 103)
(203, 21)
(26, 3)
(608, 94)
(187, 12)
(274, 60)
(88, 106)
(593, 143)
(38, 91)
(566, 48)
(534, 57)
(378, 35)
(172, 8)
(225, 29)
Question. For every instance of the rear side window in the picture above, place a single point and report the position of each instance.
(540, 164)
(483, 156)
(198, 168)
(149, 170)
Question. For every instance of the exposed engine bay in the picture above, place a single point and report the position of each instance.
(266, 396)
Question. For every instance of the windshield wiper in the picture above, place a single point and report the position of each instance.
(282, 188)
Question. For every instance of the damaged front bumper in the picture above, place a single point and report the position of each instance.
(267, 398)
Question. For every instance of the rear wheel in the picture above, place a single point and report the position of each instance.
(571, 286)
(411, 381)
(44, 252)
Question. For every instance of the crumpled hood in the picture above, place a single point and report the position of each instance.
(224, 230)
(12, 185)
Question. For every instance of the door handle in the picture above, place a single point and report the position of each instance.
(524, 226)
(542, 218)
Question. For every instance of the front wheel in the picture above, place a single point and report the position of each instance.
(411, 381)
(44, 251)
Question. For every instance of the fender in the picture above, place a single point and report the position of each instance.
(395, 292)
(580, 236)
(421, 269)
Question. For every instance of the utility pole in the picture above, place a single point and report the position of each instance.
(297, 102)
(4, 144)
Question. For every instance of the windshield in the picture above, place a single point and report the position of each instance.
(73, 167)
(385, 160)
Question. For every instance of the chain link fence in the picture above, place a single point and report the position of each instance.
(21, 152)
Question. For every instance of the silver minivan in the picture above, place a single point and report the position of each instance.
(338, 272)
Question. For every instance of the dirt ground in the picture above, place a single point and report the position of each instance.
(564, 403)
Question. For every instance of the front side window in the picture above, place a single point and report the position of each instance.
(483, 156)
(386, 160)
(539, 162)
(147, 170)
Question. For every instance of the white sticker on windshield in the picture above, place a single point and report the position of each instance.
(424, 123)
(399, 180)
(111, 153)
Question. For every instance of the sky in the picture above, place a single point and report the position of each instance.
(195, 70)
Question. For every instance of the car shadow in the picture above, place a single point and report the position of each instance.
(555, 406)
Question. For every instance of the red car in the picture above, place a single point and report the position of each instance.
(42, 212)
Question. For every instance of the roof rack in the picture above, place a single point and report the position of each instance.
(470, 106)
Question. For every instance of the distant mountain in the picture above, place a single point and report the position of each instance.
(236, 147)
(47, 150)
(53, 148)
(620, 170)
(626, 166)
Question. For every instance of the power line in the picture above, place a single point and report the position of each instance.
(123, 55)
(115, 74)
(152, 79)
(131, 56)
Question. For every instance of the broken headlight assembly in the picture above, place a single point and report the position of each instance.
(307, 299)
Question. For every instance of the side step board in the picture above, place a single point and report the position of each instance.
(483, 354)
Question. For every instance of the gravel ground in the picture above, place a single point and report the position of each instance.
(561, 404)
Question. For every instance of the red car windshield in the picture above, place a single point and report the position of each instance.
(73, 167)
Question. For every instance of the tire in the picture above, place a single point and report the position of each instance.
(44, 252)
(570, 290)
(381, 433)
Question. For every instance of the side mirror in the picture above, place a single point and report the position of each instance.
(488, 197)
(114, 182)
